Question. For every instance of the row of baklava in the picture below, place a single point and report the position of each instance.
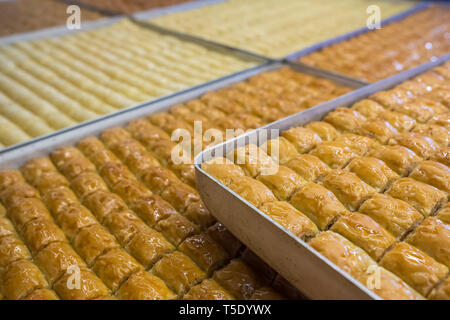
(366, 187)
(28, 15)
(381, 53)
(53, 83)
(276, 28)
(119, 205)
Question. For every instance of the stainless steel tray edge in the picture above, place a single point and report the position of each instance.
(249, 224)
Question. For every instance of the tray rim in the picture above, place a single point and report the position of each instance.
(300, 118)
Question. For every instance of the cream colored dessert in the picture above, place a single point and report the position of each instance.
(277, 28)
(53, 83)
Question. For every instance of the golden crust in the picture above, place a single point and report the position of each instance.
(40, 232)
(302, 138)
(433, 173)
(441, 292)
(283, 183)
(208, 289)
(204, 251)
(398, 158)
(144, 286)
(433, 237)
(176, 228)
(26, 210)
(423, 146)
(12, 249)
(325, 130)
(414, 266)
(152, 209)
(395, 215)
(336, 154)
(253, 160)
(114, 267)
(425, 198)
(42, 294)
(347, 187)
(222, 169)
(444, 214)
(124, 225)
(103, 203)
(280, 149)
(290, 218)
(87, 183)
(343, 253)
(75, 218)
(20, 278)
(372, 171)
(365, 233)
(252, 190)
(178, 272)
(318, 203)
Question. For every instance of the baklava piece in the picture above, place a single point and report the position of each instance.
(90, 286)
(425, 198)
(208, 289)
(42, 294)
(12, 249)
(433, 173)
(347, 187)
(414, 266)
(253, 160)
(433, 237)
(252, 190)
(222, 169)
(441, 292)
(396, 216)
(204, 251)
(309, 167)
(176, 228)
(225, 238)
(325, 130)
(372, 171)
(290, 218)
(87, 183)
(238, 279)
(303, 139)
(144, 286)
(280, 149)
(348, 257)
(40, 232)
(319, 204)
(283, 183)
(357, 143)
(103, 203)
(365, 233)
(178, 271)
(444, 214)
(345, 119)
(114, 267)
(439, 134)
(21, 278)
(423, 146)
(26, 210)
(335, 154)
(398, 158)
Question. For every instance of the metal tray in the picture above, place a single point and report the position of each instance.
(16, 155)
(294, 259)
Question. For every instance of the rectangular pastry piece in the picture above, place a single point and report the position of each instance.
(414, 266)
(443, 156)
(6, 227)
(441, 292)
(365, 233)
(433, 237)
(113, 173)
(12, 249)
(178, 271)
(152, 209)
(144, 286)
(378, 129)
(343, 253)
(87, 183)
(336, 154)
(347, 187)
(103, 203)
(114, 267)
(433, 173)
(56, 258)
(280, 149)
(345, 119)
(9, 178)
(204, 251)
(395, 215)
(252, 190)
(91, 286)
(303, 139)
(222, 169)
(372, 171)
(423, 146)
(124, 225)
(16, 193)
(38, 233)
(238, 279)
(325, 130)
(309, 167)
(71, 162)
(253, 160)
(42, 294)
(130, 190)
(398, 158)
(425, 198)
(58, 200)
(21, 278)
(437, 133)
(74, 219)
(290, 218)
(444, 214)
(208, 289)
(42, 174)
(147, 246)
(388, 286)
(357, 143)
(93, 241)
(158, 179)
(176, 228)
(27, 209)
(319, 204)
(283, 183)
